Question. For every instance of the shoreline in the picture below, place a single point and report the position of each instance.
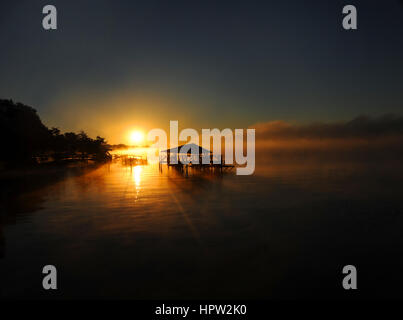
(48, 168)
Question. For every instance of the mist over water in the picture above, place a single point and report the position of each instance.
(116, 231)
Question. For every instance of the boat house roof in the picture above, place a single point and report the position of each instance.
(190, 147)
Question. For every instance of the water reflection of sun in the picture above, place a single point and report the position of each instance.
(137, 176)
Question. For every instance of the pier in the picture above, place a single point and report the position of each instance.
(132, 160)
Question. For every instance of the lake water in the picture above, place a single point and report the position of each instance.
(115, 231)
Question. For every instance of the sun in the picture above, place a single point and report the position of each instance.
(136, 137)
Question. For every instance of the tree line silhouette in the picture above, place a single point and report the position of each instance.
(25, 139)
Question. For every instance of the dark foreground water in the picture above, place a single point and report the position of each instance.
(286, 232)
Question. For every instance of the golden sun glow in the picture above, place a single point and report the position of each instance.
(136, 137)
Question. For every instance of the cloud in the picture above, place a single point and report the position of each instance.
(362, 139)
(362, 127)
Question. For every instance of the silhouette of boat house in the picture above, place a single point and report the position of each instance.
(192, 155)
(189, 153)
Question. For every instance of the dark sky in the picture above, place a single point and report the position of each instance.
(207, 64)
